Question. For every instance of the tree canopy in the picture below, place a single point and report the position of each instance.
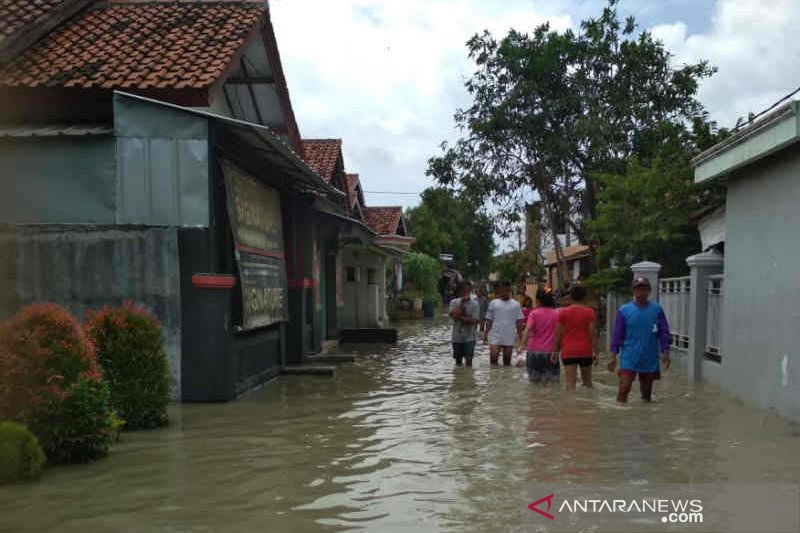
(554, 114)
(646, 213)
(448, 223)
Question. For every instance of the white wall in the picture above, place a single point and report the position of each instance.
(364, 302)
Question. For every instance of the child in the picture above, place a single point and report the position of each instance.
(539, 339)
(640, 329)
(576, 338)
(483, 306)
(527, 307)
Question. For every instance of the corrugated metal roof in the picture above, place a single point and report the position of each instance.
(54, 130)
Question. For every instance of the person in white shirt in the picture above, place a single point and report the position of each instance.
(504, 324)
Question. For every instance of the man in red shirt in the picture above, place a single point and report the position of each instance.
(576, 338)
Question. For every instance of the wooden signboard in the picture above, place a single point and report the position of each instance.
(255, 214)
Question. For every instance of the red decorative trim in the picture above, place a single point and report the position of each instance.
(213, 281)
(303, 283)
(256, 251)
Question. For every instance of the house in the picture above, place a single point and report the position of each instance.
(758, 358)
(150, 152)
(366, 263)
(578, 260)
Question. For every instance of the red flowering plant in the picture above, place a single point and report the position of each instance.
(131, 352)
(50, 380)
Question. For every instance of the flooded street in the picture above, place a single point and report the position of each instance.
(401, 440)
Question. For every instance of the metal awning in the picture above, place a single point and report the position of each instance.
(352, 228)
(256, 149)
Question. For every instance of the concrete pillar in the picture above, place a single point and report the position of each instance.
(612, 306)
(701, 266)
(651, 271)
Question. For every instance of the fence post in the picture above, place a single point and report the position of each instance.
(651, 271)
(701, 266)
(611, 313)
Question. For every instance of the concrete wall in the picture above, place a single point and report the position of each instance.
(58, 180)
(87, 267)
(364, 303)
(761, 312)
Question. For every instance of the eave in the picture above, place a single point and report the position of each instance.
(768, 135)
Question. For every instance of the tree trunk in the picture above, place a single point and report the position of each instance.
(561, 264)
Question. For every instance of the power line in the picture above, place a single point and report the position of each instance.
(751, 119)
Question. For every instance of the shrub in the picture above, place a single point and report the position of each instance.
(131, 352)
(421, 273)
(21, 457)
(50, 381)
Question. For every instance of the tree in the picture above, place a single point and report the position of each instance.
(422, 274)
(515, 266)
(553, 113)
(447, 223)
(646, 212)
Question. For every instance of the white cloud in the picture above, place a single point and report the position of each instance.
(753, 44)
(387, 76)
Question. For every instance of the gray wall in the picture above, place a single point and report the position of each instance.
(87, 267)
(57, 180)
(761, 313)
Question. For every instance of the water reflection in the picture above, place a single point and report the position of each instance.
(400, 440)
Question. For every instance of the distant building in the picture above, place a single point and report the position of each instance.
(537, 224)
(578, 263)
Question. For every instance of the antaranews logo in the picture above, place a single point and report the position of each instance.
(673, 511)
(549, 499)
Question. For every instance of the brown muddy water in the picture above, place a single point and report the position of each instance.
(399, 441)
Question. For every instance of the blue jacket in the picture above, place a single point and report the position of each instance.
(638, 332)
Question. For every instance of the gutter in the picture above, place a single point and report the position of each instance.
(787, 110)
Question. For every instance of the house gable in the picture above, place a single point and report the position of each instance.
(220, 56)
(254, 88)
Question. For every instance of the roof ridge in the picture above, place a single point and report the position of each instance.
(331, 139)
(261, 3)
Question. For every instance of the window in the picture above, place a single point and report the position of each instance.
(351, 274)
(372, 276)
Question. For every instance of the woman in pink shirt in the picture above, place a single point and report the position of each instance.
(539, 338)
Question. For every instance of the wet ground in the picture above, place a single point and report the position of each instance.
(400, 440)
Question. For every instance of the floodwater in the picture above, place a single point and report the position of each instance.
(397, 441)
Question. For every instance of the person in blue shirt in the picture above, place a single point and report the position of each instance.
(641, 331)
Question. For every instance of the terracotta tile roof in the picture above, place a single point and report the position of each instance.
(159, 46)
(570, 253)
(16, 14)
(322, 156)
(384, 220)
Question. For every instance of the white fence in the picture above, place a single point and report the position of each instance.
(674, 297)
(714, 297)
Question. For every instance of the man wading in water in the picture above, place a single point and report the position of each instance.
(639, 328)
(465, 312)
(504, 324)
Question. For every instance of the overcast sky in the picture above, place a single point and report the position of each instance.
(386, 76)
